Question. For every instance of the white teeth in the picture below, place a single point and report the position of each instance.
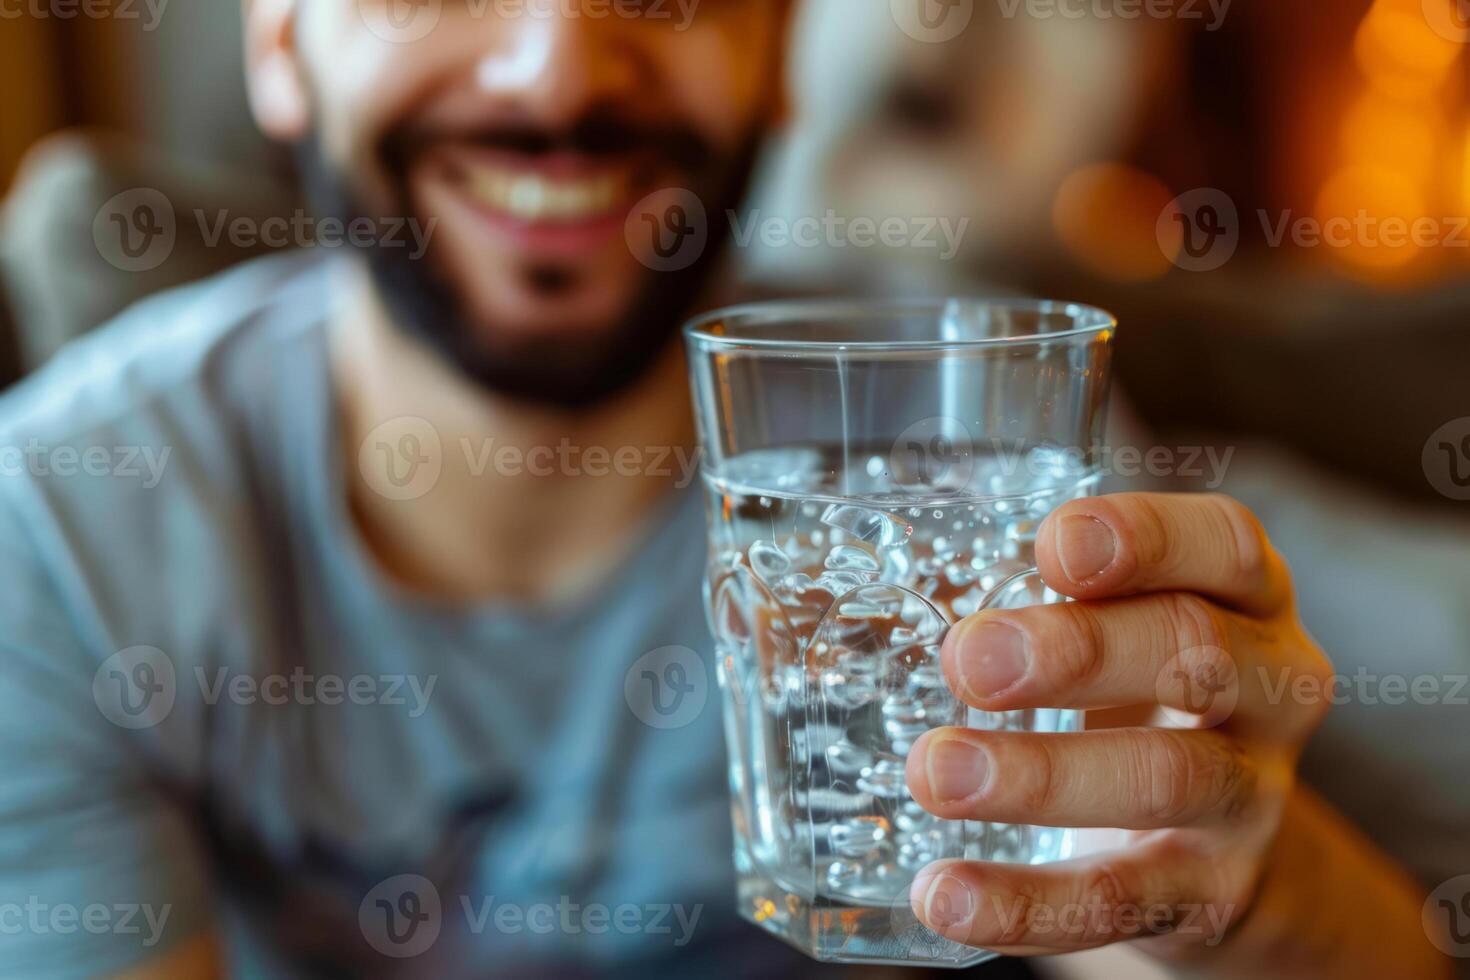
(528, 197)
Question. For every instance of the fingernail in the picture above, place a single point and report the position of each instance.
(991, 658)
(1085, 546)
(956, 769)
(949, 903)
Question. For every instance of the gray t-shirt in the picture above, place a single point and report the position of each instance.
(213, 710)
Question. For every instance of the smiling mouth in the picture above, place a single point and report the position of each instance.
(539, 198)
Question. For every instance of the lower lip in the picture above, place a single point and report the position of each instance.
(550, 238)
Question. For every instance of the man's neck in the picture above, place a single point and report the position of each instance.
(529, 503)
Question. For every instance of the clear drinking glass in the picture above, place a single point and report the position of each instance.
(874, 473)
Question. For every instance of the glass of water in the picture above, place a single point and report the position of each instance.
(874, 473)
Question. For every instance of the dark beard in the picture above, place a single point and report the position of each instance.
(561, 369)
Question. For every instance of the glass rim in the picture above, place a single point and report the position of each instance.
(1087, 321)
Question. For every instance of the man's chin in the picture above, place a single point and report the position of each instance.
(513, 316)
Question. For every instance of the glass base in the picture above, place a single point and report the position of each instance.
(836, 931)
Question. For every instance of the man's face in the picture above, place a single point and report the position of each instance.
(528, 131)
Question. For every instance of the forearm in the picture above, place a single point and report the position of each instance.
(1330, 905)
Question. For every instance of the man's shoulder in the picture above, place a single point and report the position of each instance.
(190, 349)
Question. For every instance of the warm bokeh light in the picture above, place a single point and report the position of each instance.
(1401, 157)
(1393, 134)
(1400, 53)
(1107, 216)
(1367, 214)
(1465, 175)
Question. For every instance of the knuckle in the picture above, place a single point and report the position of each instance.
(1313, 710)
(1195, 622)
(1015, 927)
(1167, 773)
(1245, 541)
(1076, 647)
(1040, 790)
(1230, 780)
(1105, 895)
(1154, 533)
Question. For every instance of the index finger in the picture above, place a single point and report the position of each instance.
(1131, 543)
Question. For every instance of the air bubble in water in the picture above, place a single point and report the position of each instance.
(879, 529)
(840, 583)
(847, 558)
(768, 561)
(959, 573)
(848, 760)
(850, 687)
(858, 836)
(843, 875)
(885, 780)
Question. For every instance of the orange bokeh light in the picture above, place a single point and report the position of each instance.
(1107, 216)
(1368, 217)
(1400, 52)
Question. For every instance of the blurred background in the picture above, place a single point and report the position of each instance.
(1173, 169)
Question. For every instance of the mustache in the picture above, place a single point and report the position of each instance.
(599, 133)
